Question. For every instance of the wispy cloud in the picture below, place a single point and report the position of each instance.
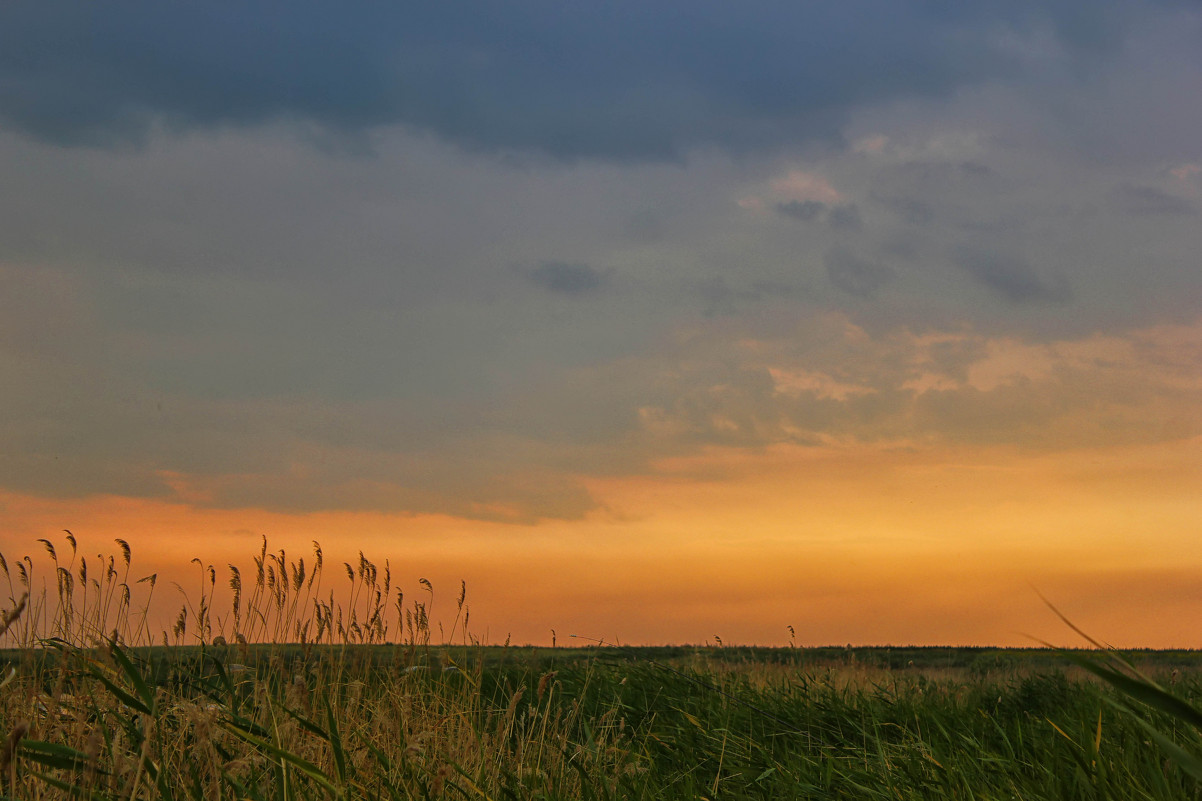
(1151, 200)
(1012, 277)
(567, 278)
(804, 210)
(845, 215)
(854, 275)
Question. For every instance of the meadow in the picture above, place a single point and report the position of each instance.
(275, 688)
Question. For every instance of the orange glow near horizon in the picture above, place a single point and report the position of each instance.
(665, 355)
(846, 544)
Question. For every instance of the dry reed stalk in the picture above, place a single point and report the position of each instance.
(11, 616)
(8, 765)
(10, 744)
(92, 750)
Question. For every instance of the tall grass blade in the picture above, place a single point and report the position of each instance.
(303, 765)
(134, 676)
(54, 755)
(72, 790)
(335, 741)
(1143, 690)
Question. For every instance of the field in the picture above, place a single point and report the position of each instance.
(287, 695)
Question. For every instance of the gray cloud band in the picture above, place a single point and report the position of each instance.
(622, 81)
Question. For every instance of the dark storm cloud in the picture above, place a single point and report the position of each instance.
(626, 80)
(1011, 277)
(854, 275)
(567, 278)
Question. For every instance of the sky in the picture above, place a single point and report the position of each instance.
(656, 322)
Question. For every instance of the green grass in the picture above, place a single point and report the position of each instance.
(94, 705)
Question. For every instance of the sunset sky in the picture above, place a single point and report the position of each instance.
(652, 321)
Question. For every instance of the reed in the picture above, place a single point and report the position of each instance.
(290, 684)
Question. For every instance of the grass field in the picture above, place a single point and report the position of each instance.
(289, 695)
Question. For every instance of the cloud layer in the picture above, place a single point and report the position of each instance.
(625, 80)
(468, 261)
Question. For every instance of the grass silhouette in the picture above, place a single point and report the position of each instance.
(272, 683)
